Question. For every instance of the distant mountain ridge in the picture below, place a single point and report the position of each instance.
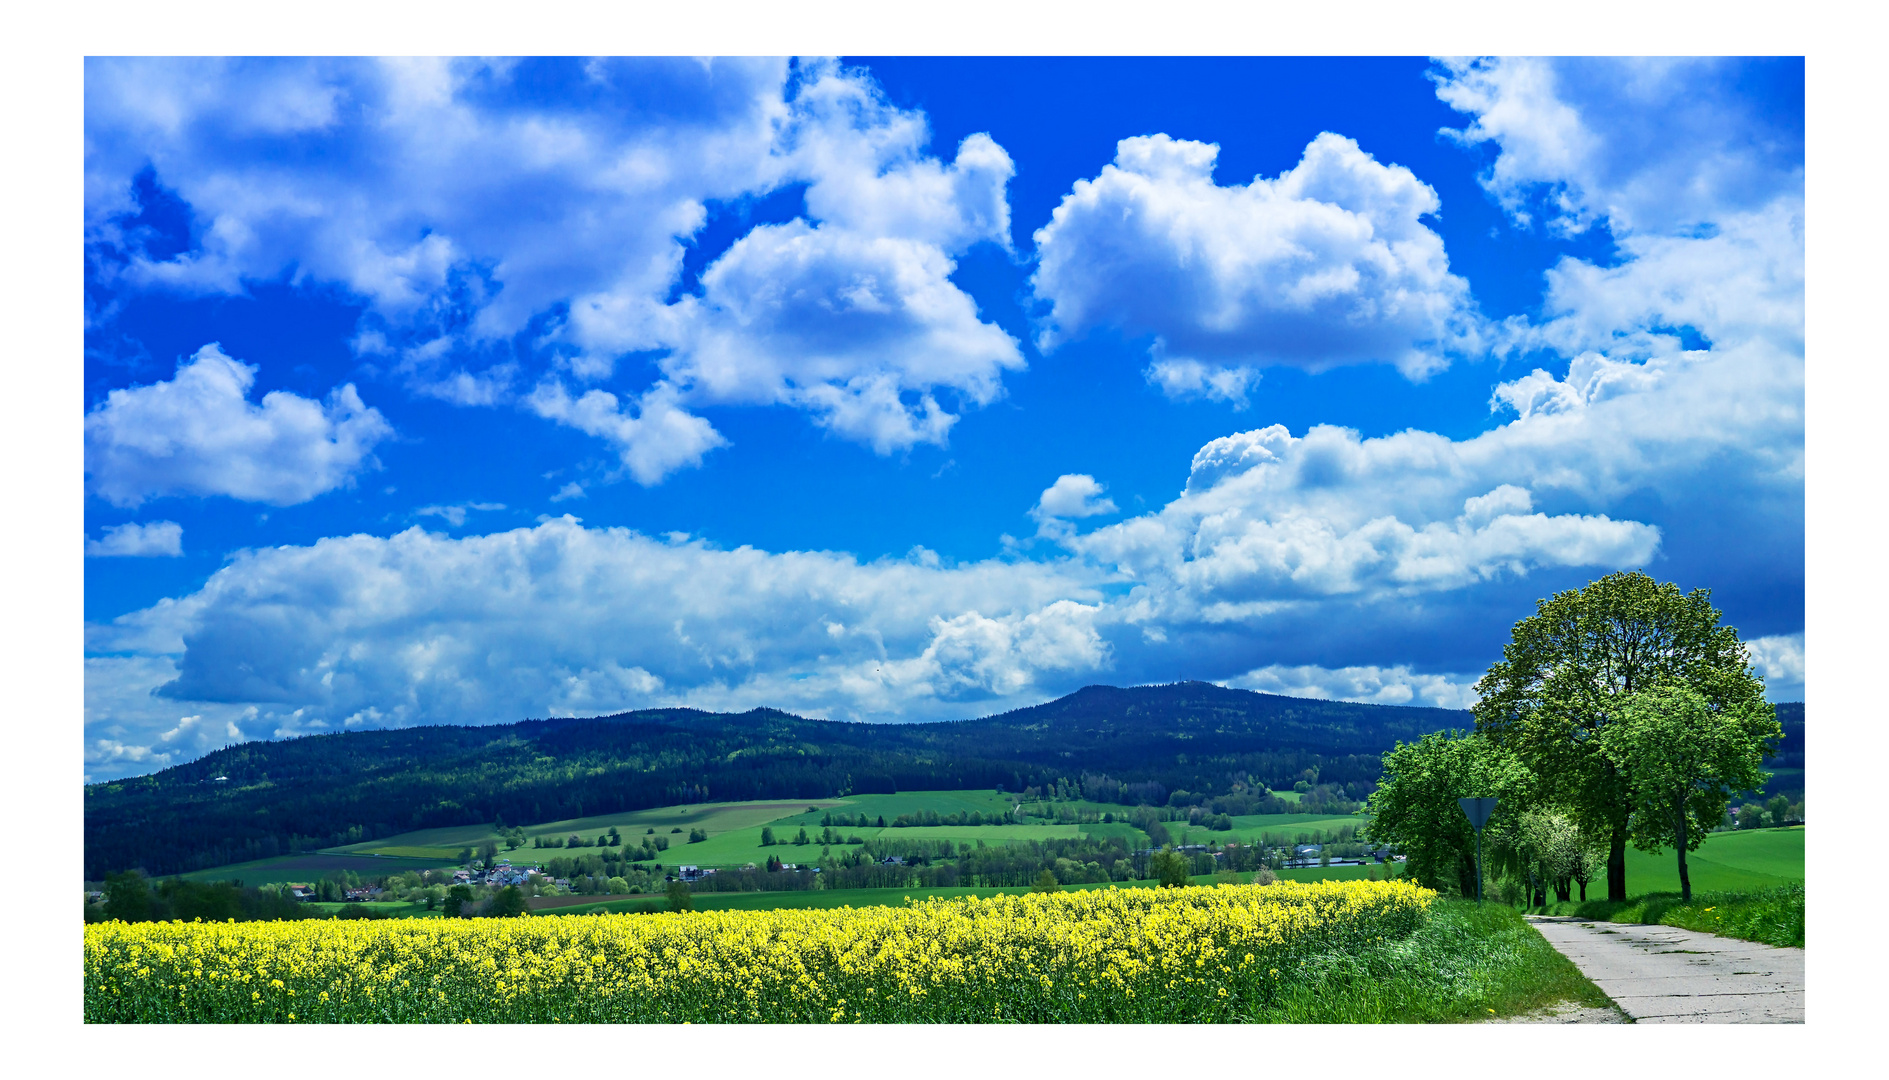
(317, 791)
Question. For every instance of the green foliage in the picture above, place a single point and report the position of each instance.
(696, 836)
(767, 836)
(1171, 869)
(1415, 805)
(1543, 848)
(457, 898)
(128, 897)
(680, 899)
(1773, 916)
(1683, 759)
(1046, 882)
(508, 904)
(131, 897)
(1468, 962)
(1779, 807)
(1567, 671)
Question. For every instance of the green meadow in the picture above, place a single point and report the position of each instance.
(310, 866)
(1747, 859)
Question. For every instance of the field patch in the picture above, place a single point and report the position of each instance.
(411, 851)
(308, 867)
(632, 825)
(1135, 837)
(1727, 861)
(943, 803)
(990, 834)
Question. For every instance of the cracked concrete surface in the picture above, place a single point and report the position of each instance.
(1665, 975)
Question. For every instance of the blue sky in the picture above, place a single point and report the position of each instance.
(902, 389)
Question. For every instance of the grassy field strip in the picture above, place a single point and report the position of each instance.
(1747, 859)
(311, 866)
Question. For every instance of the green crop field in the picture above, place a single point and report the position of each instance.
(309, 867)
(1747, 859)
(715, 817)
(985, 801)
(397, 909)
(1135, 837)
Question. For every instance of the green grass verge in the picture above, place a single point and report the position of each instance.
(1773, 916)
(1747, 884)
(1468, 963)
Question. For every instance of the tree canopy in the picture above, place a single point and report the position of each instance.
(1684, 760)
(1568, 669)
(1415, 807)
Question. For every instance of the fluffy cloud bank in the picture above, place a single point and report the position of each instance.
(200, 435)
(1329, 263)
(559, 618)
(1269, 519)
(510, 250)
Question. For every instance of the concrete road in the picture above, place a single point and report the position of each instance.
(1665, 975)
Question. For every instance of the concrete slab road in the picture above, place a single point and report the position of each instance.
(1665, 975)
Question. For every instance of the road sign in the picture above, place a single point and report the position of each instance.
(1478, 811)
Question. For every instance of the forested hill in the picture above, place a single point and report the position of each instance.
(1140, 744)
(1160, 719)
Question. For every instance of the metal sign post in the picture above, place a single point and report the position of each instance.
(1478, 811)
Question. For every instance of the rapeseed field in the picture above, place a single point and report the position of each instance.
(1203, 954)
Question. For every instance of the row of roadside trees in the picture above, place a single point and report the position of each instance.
(1620, 713)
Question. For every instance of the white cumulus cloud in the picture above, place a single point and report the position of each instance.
(1073, 495)
(200, 435)
(135, 539)
(1646, 144)
(1329, 263)
(1779, 659)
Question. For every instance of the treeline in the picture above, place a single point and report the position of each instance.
(132, 897)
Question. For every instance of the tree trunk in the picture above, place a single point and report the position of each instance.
(1685, 880)
(1583, 892)
(1617, 864)
(1561, 890)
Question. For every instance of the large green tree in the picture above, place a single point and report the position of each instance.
(1415, 805)
(508, 904)
(1568, 669)
(1684, 761)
